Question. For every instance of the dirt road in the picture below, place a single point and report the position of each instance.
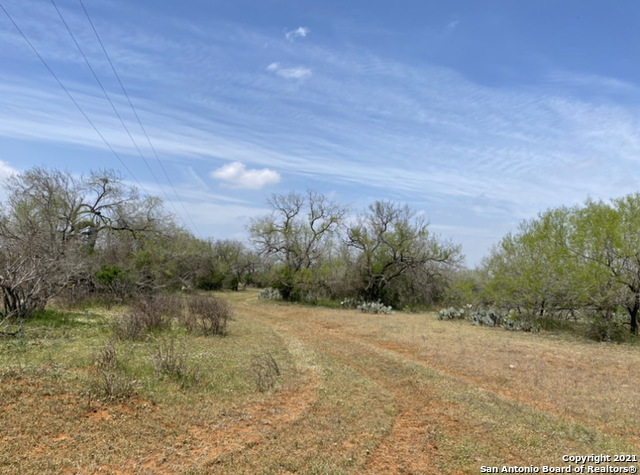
(409, 394)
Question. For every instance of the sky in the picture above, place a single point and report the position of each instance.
(478, 115)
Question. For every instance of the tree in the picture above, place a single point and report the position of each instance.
(38, 246)
(235, 262)
(51, 226)
(108, 205)
(397, 255)
(466, 287)
(533, 270)
(584, 258)
(607, 240)
(298, 235)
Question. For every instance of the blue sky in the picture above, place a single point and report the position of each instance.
(476, 114)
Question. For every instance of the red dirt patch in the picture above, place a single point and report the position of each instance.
(210, 442)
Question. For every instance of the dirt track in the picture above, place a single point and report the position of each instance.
(359, 393)
(454, 416)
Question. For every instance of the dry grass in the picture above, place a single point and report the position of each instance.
(355, 393)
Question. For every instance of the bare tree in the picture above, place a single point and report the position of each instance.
(298, 234)
(50, 225)
(396, 252)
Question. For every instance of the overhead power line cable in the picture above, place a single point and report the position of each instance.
(106, 95)
(144, 130)
(46, 65)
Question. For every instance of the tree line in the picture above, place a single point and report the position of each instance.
(75, 238)
(92, 237)
(580, 262)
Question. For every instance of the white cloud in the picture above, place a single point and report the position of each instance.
(289, 73)
(299, 32)
(294, 73)
(236, 175)
(452, 25)
(6, 170)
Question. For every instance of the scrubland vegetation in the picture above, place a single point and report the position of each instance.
(128, 345)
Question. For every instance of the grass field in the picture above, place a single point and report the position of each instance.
(296, 389)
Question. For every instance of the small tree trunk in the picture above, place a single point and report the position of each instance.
(633, 313)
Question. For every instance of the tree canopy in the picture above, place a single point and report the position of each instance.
(584, 258)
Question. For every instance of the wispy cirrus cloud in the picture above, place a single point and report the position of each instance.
(289, 73)
(453, 24)
(299, 32)
(380, 127)
(237, 175)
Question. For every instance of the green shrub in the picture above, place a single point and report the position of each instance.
(115, 280)
(516, 321)
(607, 329)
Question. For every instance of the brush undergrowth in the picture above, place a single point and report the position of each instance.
(167, 349)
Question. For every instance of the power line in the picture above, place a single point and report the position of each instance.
(138, 118)
(71, 97)
(86, 60)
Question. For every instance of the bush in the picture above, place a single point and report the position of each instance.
(156, 313)
(607, 329)
(149, 315)
(207, 315)
(172, 362)
(515, 321)
(128, 327)
(265, 371)
(109, 383)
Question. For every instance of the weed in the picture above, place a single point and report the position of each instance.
(128, 327)
(265, 371)
(109, 383)
(169, 361)
(172, 362)
(106, 359)
(207, 315)
(111, 386)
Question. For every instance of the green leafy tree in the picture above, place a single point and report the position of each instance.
(585, 258)
(534, 269)
(607, 240)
